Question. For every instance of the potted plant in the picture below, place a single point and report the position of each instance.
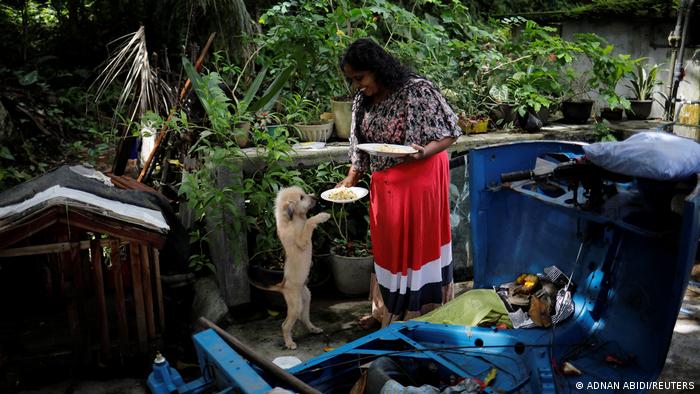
(308, 118)
(642, 84)
(351, 259)
(533, 92)
(606, 70)
(341, 107)
(351, 251)
(576, 106)
(502, 112)
(472, 109)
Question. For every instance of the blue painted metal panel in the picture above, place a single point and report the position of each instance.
(226, 368)
(631, 276)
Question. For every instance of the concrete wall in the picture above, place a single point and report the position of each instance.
(642, 38)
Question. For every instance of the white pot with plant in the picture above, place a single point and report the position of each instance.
(308, 118)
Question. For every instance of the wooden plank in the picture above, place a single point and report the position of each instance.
(128, 183)
(80, 219)
(72, 310)
(98, 280)
(57, 247)
(69, 262)
(159, 290)
(80, 279)
(28, 227)
(147, 292)
(119, 299)
(229, 252)
(138, 295)
(119, 229)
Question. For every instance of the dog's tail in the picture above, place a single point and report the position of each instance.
(276, 287)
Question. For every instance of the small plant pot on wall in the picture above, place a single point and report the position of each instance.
(342, 113)
(530, 122)
(543, 114)
(351, 274)
(639, 109)
(611, 114)
(502, 114)
(473, 125)
(315, 132)
(576, 112)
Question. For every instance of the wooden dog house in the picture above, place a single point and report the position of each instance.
(75, 247)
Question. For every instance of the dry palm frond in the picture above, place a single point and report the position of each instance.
(141, 82)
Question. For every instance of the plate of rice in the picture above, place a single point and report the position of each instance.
(387, 150)
(344, 194)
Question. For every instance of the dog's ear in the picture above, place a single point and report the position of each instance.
(290, 206)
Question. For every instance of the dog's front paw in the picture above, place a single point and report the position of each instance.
(291, 345)
(322, 217)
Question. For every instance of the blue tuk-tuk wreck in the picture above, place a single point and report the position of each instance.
(626, 255)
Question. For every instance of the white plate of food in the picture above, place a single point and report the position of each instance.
(344, 194)
(387, 150)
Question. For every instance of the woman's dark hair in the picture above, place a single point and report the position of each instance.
(366, 55)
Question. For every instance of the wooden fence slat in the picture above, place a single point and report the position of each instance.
(120, 303)
(147, 292)
(138, 295)
(105, 344)
(57, 247)
(159, 290)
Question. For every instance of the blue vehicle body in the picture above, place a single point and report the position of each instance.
(631, 267)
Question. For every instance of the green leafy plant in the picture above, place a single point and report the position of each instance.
(352, 233)
(240, 203)
(243, 107)
(312, 34)
(301, 110)
(605, 72)
(603, 132)
(643, 82)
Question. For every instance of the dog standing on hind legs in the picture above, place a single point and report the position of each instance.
(294, 230)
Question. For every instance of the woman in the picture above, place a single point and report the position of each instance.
(409, 205)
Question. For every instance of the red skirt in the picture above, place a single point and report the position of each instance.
(410, 231)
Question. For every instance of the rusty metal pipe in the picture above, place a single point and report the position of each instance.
(684, 10)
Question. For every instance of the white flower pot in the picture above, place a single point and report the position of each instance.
(315, 132)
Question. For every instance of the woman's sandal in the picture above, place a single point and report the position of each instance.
(369, 323)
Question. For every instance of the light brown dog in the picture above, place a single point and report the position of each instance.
(294, 230)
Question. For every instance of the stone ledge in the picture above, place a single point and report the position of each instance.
(338, 151)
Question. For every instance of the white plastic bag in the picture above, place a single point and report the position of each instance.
(652, 154)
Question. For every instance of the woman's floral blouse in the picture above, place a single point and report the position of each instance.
(414, 114)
